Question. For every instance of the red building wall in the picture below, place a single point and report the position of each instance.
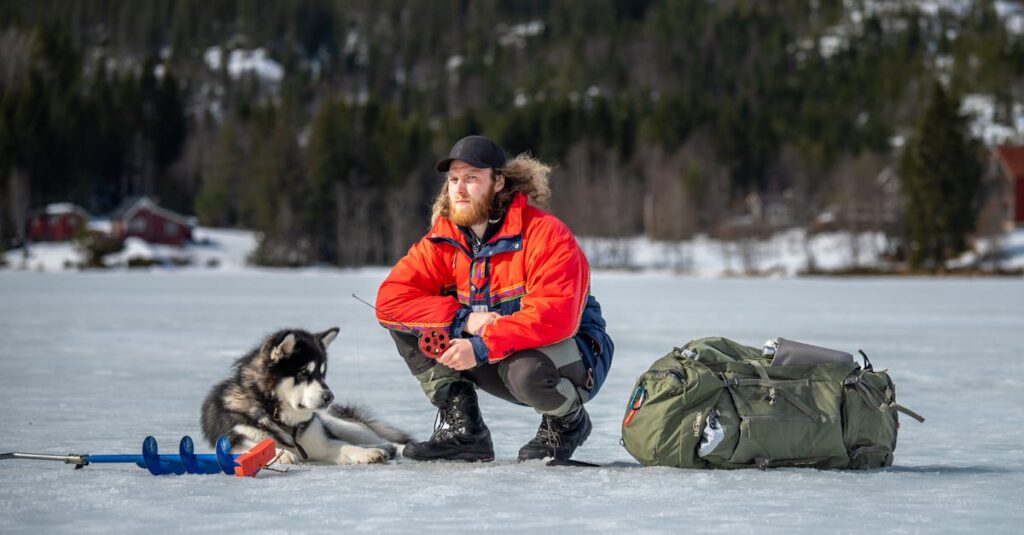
(1011, 159)
(55, 227)
(1018, 201)
(146, 224)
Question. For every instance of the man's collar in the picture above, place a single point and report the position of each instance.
(493, 225)
(510, 225)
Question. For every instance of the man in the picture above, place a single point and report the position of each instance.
(511, 286)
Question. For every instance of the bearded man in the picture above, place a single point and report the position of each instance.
(512, 288)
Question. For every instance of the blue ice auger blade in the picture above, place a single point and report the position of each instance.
(204, 463)
(224, 457)
(157, 464)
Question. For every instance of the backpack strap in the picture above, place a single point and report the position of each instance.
(740, 399)
(907, 411)
(867, 363)
(874, 399)
(810, 413)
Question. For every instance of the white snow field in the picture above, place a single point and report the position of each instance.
(94, 362)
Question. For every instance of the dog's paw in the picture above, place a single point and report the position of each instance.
(389, 449)
(369, 456)
(287, 457)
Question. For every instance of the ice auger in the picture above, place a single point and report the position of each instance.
(186, 461)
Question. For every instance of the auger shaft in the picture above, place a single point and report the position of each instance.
(80, 460)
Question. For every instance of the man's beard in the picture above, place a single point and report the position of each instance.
(477, 212)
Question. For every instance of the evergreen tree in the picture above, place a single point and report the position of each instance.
(217, 203)
(942, 183)
(102, 100)
(274, 197)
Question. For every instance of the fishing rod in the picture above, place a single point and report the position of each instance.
(432, 342)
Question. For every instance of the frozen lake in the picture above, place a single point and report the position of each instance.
(92, 363)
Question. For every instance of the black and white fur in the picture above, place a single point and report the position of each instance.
(278, 391)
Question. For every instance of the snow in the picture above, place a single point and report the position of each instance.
(931, 8)
(93, 362)
(241, 61)
(981, 110)
(784, 254)
(453, 63)
(830, 44)
(218, 249)
(213, 57)
(1012, 13)
(1011, 244)
(221, 249)
(517, 34)
(62, 208)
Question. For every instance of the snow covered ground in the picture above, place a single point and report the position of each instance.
(94, 362)
(213, 249)
(785, 254)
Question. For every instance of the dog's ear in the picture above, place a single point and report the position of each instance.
(283, 349)
(328, 336)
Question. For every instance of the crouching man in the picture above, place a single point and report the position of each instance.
(511, 286)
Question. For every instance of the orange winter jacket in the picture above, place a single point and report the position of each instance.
(532, 272)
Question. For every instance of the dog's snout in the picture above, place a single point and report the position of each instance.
(328, 397)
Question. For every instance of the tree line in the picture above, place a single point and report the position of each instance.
(662, 117)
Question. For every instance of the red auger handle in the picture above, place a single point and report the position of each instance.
(433, 342)
(250, 462)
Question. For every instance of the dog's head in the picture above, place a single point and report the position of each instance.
(296, 362)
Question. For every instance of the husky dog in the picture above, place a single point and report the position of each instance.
(277, 391)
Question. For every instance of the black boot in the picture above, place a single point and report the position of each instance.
(558, 438)
(460, 433)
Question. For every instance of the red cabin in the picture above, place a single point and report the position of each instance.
(57, 222)
(143, 218)
(1011, 160)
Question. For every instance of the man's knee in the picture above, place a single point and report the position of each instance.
(528, 373)
(534, 380)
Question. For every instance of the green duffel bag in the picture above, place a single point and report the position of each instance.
(714, 403)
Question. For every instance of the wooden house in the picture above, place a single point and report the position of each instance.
(57, 222)
(142, 217)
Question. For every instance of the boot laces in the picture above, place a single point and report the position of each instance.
(442, 425)
(547, 433)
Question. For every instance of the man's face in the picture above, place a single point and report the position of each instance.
(470, 193)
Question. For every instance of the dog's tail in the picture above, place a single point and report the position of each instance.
(392, 434)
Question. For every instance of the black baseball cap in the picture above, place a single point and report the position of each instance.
(478, 151)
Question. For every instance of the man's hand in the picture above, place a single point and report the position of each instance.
(476, 320)
(459, 356)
